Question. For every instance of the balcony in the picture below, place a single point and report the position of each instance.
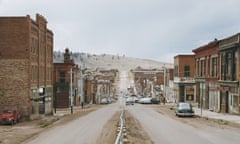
(184, 80)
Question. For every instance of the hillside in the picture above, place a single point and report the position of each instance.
(106, 61)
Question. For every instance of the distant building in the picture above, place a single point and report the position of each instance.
(184, 83)
(26, 65)
(145, 80)
(154, 83)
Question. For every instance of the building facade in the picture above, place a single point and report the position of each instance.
(207, 75)
(66, 83)
(184, 83)
(26, 59)
(229, 74)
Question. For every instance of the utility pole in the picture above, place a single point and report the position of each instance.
(71, 98)
(164, 83)
(81, 87)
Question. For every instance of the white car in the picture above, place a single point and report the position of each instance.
(146, 100)
(104, 101)
(129, 101)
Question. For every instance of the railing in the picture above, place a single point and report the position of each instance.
(119, 135)
(184, 79)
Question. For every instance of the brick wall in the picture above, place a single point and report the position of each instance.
(13, 85)
(14, 41)
(181, 61)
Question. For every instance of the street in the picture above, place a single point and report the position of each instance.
(145, 123)
(161, 126)
(84, 130)
(166, 128)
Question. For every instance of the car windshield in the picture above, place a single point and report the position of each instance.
(7, 111)
(184, 106)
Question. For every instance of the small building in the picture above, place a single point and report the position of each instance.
(26, 65)
(184, 83)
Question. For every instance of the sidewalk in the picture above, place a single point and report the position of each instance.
(218, 116)
(67, 111)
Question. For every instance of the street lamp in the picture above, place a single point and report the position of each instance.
(164, 83)
(71, 97)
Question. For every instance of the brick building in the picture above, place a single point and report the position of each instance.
(153, 82)
(63, 72)
(207, 75)
(184, 83)
(26, 65)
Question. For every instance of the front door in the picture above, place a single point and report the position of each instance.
(227, 102)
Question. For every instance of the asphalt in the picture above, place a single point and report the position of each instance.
(224, 117)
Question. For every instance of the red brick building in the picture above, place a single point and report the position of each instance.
(62, 83)
(207, 75)
(153, 82)
(26, 65)
(184, 83)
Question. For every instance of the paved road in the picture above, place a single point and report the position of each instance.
(165, 130)
(86, 129)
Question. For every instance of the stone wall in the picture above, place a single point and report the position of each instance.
(14, 85)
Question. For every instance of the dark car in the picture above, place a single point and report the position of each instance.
(155, 101)
(184, 109)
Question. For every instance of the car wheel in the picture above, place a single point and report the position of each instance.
(12, 122)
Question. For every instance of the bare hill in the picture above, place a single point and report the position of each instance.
(106, 61)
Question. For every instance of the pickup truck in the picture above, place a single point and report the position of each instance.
(9, 116)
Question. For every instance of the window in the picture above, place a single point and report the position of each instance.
(214, 66)
(186, 71)
(32, 45)
(32, 73)
(228, 66)
(62, 76)
(175, 70)
(202, 68)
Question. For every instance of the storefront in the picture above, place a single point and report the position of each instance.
(185, 92)
(214, 97)
(229, 98)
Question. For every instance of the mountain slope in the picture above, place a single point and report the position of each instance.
(106, 61)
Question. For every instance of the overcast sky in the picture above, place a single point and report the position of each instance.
(149, 29)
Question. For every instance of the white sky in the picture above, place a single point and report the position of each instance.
(149, 29)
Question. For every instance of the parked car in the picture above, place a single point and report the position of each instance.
(184, 109)
(155, 101)
(104, 101)
(146, 100)
(129, 101)
(9, 116)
